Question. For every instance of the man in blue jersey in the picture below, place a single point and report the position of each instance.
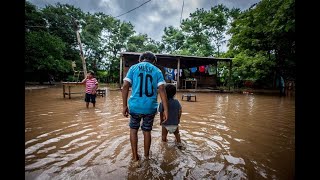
(145, 79)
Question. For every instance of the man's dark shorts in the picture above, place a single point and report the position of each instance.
(147, 122)
(90, 98)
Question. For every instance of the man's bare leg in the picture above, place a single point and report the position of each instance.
(147, 143)
(134, 144)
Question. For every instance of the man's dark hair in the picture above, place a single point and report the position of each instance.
(149, 56)
(171, 90)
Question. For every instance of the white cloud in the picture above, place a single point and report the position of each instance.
(152, 17)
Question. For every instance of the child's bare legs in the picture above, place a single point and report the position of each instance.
(177, 135)
(93, 99)
(87, 104)
(164, 134)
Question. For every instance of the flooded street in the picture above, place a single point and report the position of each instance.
(225, 136)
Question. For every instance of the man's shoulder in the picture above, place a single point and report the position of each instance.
(157, 70)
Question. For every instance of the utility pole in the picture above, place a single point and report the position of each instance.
(76, 27)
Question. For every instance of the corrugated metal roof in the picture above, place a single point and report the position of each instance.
(171, 61)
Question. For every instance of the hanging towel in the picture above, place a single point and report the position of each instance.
(194, 69)
(202, 69)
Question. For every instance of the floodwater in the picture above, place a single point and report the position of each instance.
(224, 136)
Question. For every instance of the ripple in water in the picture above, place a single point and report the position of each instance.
(224, 136)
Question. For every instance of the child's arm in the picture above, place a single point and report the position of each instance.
(94, 90)
(84, 80)
(180, 112)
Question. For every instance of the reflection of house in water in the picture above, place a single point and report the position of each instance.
(194, 72)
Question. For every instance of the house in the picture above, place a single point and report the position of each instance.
(200, 79)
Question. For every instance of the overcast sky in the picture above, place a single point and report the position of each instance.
(152, 17)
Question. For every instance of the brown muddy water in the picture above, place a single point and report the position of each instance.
(224, 136)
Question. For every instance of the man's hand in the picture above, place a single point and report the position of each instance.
(125, 111)
(164, 117)
(163, 96)
(125, 91)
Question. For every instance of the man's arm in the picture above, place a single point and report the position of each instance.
(161, 117)
(164, 100)
(125, 92)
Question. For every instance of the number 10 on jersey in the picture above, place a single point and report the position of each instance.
(145, 81)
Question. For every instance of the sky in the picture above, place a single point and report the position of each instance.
(152, 17)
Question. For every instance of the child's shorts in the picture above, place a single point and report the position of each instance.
(147, 122)
(171, 128)
(90, 98)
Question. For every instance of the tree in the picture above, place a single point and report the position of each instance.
(117, 35)
(44, 54)
(94, 49)
(34, 19)
(215, 23)
(202, 34)
(142, 43)
(61, 23)
(255, 67)
(173, 39)
(269, 26)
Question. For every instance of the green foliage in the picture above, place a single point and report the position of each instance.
(51, 42)
(247, 66)
(173, 39)
(34, 19)
(102, 76)
(142, 43)
(61, 20)
(262, 40)
(202, 34)
(44, 52)
(269, 27)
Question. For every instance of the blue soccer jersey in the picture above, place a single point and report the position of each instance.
(145, 79)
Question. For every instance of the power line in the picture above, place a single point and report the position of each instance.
(133, 9)
(36, 26)
(181, 11)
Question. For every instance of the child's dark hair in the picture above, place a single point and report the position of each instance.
(171, 90)
(91, 72)
(149, 56)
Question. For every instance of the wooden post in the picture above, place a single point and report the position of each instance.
(121, 69)
(64, 91)
(230, 71)
(81, 54)
(69, 87)
(178, 74)
(76, 28)
(216, 64)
